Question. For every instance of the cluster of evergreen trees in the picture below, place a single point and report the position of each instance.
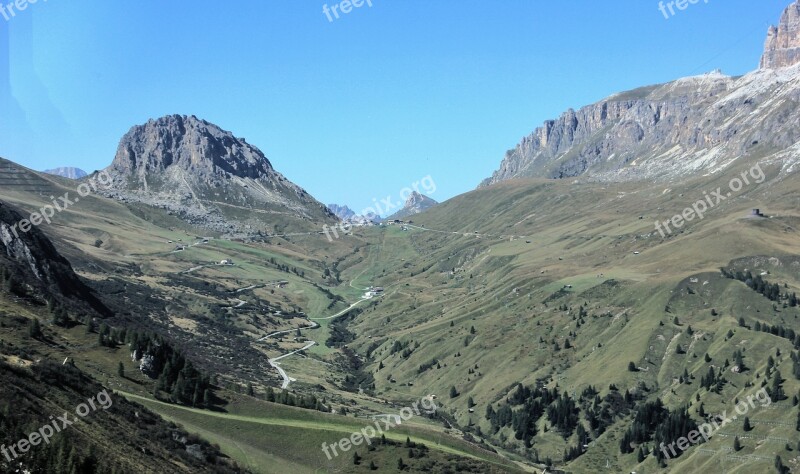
(429, 365)
(653, 421)
(176, 376)
(524, 406)
(780, 331)
(645, 421)
(534, 403)
(286, 268)
(712, 381)
(758, 284)
(309, 402)
(677, 425)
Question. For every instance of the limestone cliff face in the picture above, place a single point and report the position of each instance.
(698, 124)
(782, 48)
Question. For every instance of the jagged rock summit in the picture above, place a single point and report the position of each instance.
(415, 204)
(342, 212)
(782, 48)
(207, 176)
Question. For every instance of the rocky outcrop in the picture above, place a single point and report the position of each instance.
(208, 177)
(36, 270)
(782, 48)
(415, 204)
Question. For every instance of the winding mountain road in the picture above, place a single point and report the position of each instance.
(274, 362)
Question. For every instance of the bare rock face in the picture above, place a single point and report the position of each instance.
(782, 48)
(208, 177)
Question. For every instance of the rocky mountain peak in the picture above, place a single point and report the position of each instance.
(415, 204)
(782, 48)
(416, 200)
(342, 212)
(209, 177)
(190, 144)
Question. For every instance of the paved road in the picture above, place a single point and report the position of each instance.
(274, 362)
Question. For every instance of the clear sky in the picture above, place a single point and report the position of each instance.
(353, 109)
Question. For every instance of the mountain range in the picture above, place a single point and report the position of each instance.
(239, 325)
(664, 132)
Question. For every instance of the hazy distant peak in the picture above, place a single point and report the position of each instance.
(67, 172)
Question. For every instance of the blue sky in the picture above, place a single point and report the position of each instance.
(358, 108)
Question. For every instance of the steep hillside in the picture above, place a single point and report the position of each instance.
(33, 268)
(563, 286)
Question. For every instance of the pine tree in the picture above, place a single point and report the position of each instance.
(737, 446)
(34, 329)
(400, 464)
(121, 370)
(746, 425)
(356, 458)
(777, 388)
(372, 466)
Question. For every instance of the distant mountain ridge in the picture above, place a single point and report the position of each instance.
(208, 176)
(699, 124)
(342, 212)
(68, 172)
